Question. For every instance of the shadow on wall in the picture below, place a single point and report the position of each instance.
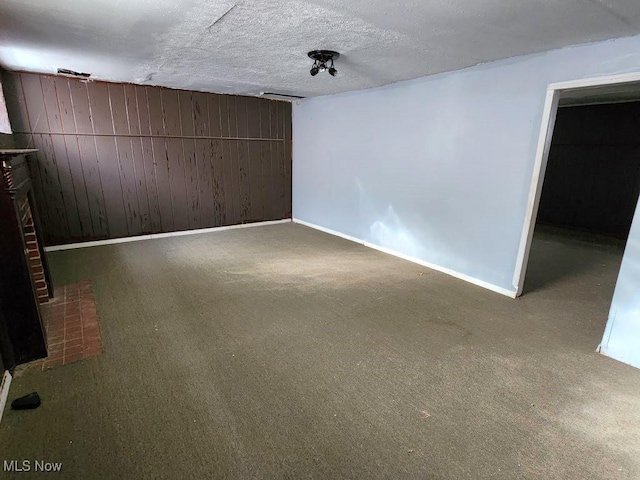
(390, 232)
(385, 227)
(387, 230)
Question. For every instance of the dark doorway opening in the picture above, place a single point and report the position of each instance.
(588, 199)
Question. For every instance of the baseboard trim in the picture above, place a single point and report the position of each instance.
(432, 266)
(98, 243)
(616, 356)
(4, 391)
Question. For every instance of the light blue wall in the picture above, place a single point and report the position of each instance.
(439, 168)
(621, 338)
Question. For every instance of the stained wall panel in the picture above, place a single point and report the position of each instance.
(281, 175)
(231, 214)
(80, 199)
(141, 185)
(192, 179)
(128, 185)
(81, 108)
(253, 117)
(34, 100)
(265, 128)
(206, 195)
(143, 108)
(154, 109)
(237, 115)
(131, 105)
(186, 113)
(242, 147)
(255, 180)
(51, 107)
(265, 155)
(171, 112)
(213, 115)
(58, 227)
(118, 106)
(111, 186)
(88, 161)
(100, 109)
(121, 160)
(222, 200)
(231, 184)
(66, 184)
(149, 169)
(177, 183)
(287, 162)
(200, 115)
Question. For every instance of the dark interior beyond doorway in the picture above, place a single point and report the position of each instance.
(592, 179)
(589, 196)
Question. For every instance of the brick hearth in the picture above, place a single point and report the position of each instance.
(71, 323)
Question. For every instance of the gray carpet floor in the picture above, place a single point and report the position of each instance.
(283, 352)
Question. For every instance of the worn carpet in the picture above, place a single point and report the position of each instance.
(283, 352)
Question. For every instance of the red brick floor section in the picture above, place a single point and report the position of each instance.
(71, 322)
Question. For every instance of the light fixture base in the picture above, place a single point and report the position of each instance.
(323, 56)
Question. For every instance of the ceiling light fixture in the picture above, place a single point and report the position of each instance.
(323, 61)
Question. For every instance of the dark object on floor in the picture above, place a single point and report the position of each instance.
(27, 402)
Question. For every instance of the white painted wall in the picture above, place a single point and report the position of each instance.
(439, 168)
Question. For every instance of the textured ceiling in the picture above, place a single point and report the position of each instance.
(252, 46)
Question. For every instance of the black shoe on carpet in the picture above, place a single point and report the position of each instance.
(27, 402)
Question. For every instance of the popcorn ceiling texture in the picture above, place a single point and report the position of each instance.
(251, 46)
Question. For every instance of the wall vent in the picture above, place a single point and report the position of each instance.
(64, 71)
(280, 96)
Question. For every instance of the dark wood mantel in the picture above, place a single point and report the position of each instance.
(12, 152)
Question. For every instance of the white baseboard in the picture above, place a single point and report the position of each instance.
(624, 358)
(453, 273)
(112, 241)
(4, 391)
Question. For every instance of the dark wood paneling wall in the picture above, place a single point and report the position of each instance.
(592, 180)
(121, 160)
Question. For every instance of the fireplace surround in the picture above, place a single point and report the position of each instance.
(24, 275)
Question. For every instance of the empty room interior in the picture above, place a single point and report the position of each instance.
(320, 239)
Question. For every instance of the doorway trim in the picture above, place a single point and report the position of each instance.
(542, 156)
